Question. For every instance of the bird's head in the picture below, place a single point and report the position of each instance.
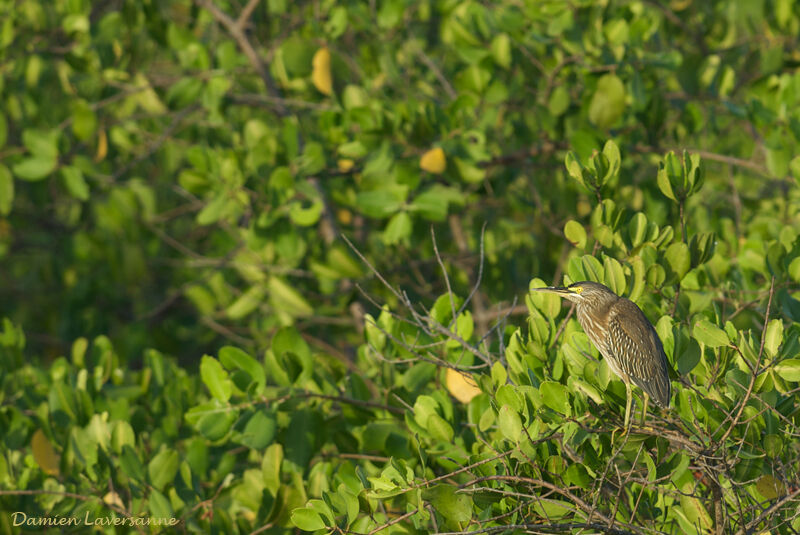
(582, 292)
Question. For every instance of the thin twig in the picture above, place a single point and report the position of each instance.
(237, 32)
(451, 93)
(754, 373)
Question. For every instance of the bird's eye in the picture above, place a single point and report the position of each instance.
(578, 289)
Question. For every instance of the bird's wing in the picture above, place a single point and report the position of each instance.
(638, 349)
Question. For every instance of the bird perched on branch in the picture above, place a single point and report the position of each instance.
(624, 336)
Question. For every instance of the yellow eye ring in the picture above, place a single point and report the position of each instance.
(577, 289)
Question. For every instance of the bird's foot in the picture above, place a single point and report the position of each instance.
(630, 430)
(622, 431)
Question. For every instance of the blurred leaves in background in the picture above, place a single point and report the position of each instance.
(190, 336)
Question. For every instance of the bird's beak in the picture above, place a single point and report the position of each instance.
(554, 290)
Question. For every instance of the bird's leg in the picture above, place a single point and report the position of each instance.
(626, 425)
(644, 408)
(628, 399)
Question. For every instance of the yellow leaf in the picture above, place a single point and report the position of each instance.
(321, 71)
(679, 5)
(345, 164)
(112, 498)
(102, 146)
(345, 217)
(433, 161)
(461, 385)
(44, 453)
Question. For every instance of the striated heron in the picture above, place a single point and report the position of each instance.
(624, 336)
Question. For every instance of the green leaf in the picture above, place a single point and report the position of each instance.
(778, 154)
(637, 229)
(611, 152)
(246, 303)
(350, 502)
(34, 168)
(376, 338)
(555, 396)
(234, 358)
(122, 435)
(215, 210)
(614, 275)
(6, 190)
(84, 120)
(576, 474)
(352, 149)
(789, 369)
(75, 23)
(305, 216)
(574, 167)
(773, 337)
(451, 504)
(379, 204)
(184, 92)
(443, 309)
(162, 468)
(559, 101)
(305, 430)
(212, 419)
(424, 408)
(688, 357)
(638, 275)
(608, 102)
(793, 270)
(775, 259)
(76, 185)
(439, 428)
(42, 144)
(465, 326)
(655, 276)
(701, 247)
(575, 234)
(487, 419)
(499, 374)
(259, 431)
(271, 467)
(509, 395)
(398, 230)
(469, 172)
(337, 22)
(313, 159)
(668, 172)
(287, 299)
(593, 269)
(288, 340)
(709, 334)
(694, 172)
(130, 463)
(500, 48)
(433, 203)
(794, 166)
(215, 378)
(307, 519)
(678, 261)
(510, 423)
(159, 506)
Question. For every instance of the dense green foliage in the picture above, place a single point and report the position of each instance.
(245, 251)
